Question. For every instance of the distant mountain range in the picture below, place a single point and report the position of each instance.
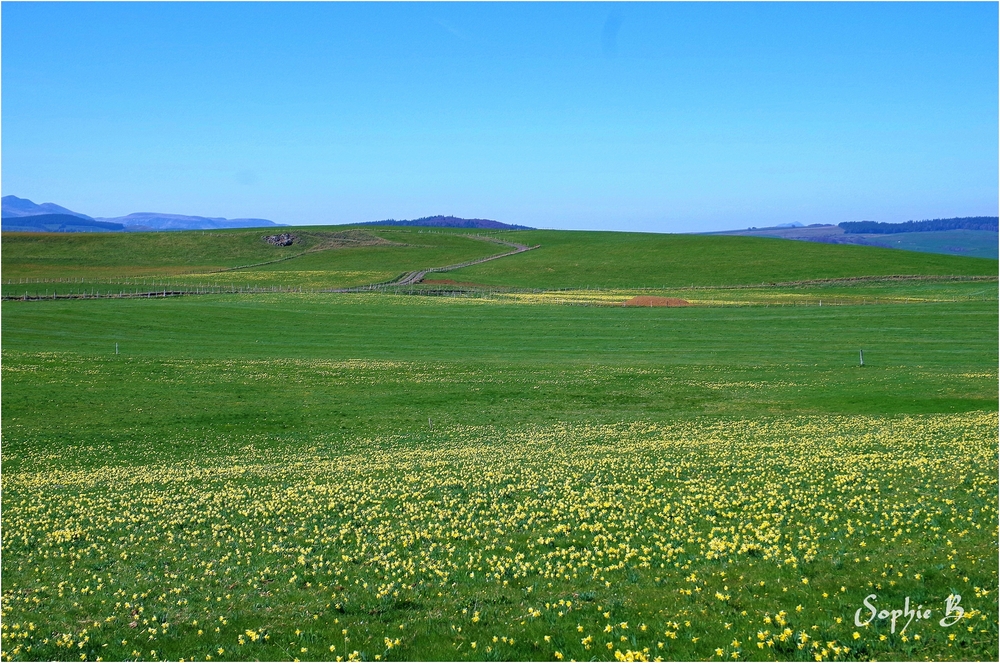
(448, 222)
(154, 221)
(20, 214)
(23, 215)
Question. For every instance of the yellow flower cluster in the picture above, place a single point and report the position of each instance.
(215, 558)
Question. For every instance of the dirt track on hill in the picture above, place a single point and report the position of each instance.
(412, 278)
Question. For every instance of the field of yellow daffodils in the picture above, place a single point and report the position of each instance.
(813, 538)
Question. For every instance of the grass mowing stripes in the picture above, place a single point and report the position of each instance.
(293, 365)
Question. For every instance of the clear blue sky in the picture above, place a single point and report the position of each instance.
(663, 117)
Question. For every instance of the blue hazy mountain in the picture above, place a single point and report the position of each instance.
(24, 215)
(15, 207)
(156, 221)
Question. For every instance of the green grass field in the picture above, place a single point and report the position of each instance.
(113, 262)
(972, 243)
(503, 476)
(324, 258)
(640, 260)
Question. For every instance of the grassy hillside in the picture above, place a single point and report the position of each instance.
(50, 255)
(971, 243)
(323, 258)
(629, 260)
(414, 250)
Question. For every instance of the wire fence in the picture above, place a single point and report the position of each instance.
(40, 289)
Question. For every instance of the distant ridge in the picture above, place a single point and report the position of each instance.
(448, 222)
(20, 214)
(931, 225)
(57, 223)
(156, 221)
(965, 236)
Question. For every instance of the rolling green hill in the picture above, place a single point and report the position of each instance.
(320, 257)
(971, 243)
(51, 255)
(974, 243)
(630, 260)
(335, 257)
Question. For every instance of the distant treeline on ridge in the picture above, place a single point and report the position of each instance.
(961, 223)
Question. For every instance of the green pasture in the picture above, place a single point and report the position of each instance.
(54, 255)
(277, 364)
(972, 243)
(43, 264)
(81, 262)
(377, 476)
(643, 260)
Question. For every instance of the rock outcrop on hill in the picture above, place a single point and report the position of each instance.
(284, 239)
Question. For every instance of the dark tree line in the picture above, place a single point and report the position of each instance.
(961, 223)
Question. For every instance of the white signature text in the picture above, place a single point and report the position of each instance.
(952, 612)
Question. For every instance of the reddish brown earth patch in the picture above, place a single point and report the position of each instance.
(447, 282)
(646, 300)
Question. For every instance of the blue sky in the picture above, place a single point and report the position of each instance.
(670, 117)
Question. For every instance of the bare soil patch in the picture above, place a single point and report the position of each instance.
(647, 300)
